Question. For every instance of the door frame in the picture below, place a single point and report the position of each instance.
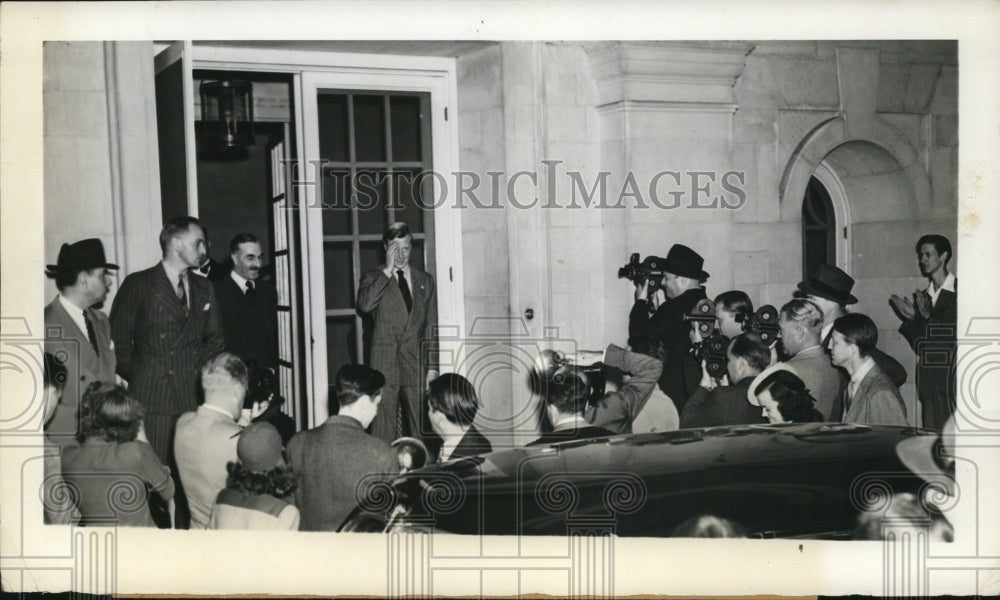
(313, 70)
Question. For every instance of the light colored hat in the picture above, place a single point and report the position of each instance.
(752, 390)
(932, 457)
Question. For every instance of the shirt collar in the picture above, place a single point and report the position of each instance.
(240, 281)
(948, 284)
(406, 273)
(172, 274)
(863, 370)
(573, 422)
(449, 444)
(218, 410)
(74, 311)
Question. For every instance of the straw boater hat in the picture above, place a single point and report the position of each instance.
(752, 390)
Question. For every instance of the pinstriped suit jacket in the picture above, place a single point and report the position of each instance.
(396, 340)
(159, 348)
(83, 365)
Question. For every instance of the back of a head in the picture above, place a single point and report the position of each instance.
(751, 348)
(567, 392)
(173, 228)
(736, 302)
(109, 412)
(795, 403)
(805, 313)
(222, 373)
(708, 526)
(455, 397)
(354, 381)
(858, 329)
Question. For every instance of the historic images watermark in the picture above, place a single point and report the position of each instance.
(341, 187)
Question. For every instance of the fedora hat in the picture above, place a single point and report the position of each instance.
(80, 256)
(685, 262)
(831, 283)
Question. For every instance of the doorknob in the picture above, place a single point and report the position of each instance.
(529, 314)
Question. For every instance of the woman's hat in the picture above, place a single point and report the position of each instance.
(685, 262)
(752, 390)
(259, 447)
(932, 457)
(831, 283)
(81, 256)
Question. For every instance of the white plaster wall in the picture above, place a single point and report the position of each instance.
(79, 179)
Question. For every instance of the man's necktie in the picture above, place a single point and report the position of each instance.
(251, 293)
(182, 292)
(404, 289)
(852, 387)
(90, 332)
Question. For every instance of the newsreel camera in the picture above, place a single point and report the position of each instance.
(712, 347)
(764, 323)
(553, 366)
(649, 272)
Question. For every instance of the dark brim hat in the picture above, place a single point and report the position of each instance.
(685, 262)
(831, 283)
(259, 447)
(81, 256)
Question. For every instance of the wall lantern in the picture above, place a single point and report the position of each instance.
(227, 113)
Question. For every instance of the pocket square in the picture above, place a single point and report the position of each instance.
(111, 346)
(208, 305)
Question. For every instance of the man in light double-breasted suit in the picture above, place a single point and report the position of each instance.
(166, 325)
(402, 301)
(76, 332)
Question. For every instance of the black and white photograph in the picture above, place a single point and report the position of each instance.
(491, 300)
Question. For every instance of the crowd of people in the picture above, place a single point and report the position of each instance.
(169, 414)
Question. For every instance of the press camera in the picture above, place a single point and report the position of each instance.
(649, 270)
(553, 366)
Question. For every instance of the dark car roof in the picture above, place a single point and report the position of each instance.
(738, 472)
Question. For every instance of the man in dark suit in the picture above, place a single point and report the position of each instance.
(76, 331)
(870, 397)
(336, 461)
(682, 280)
(452, 404)
(248, 306)
(929, 322)
(402, 301)
(712, 404)
(165, 324)
(830, 289)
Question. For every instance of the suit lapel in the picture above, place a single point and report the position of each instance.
(70, 330)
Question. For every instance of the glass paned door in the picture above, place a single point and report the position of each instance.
(373, 145)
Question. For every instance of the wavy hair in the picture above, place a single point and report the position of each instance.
(278, 482)
(795, 403)
(109, 412)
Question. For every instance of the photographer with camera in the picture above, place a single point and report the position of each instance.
(682, 281)
(719, 403)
